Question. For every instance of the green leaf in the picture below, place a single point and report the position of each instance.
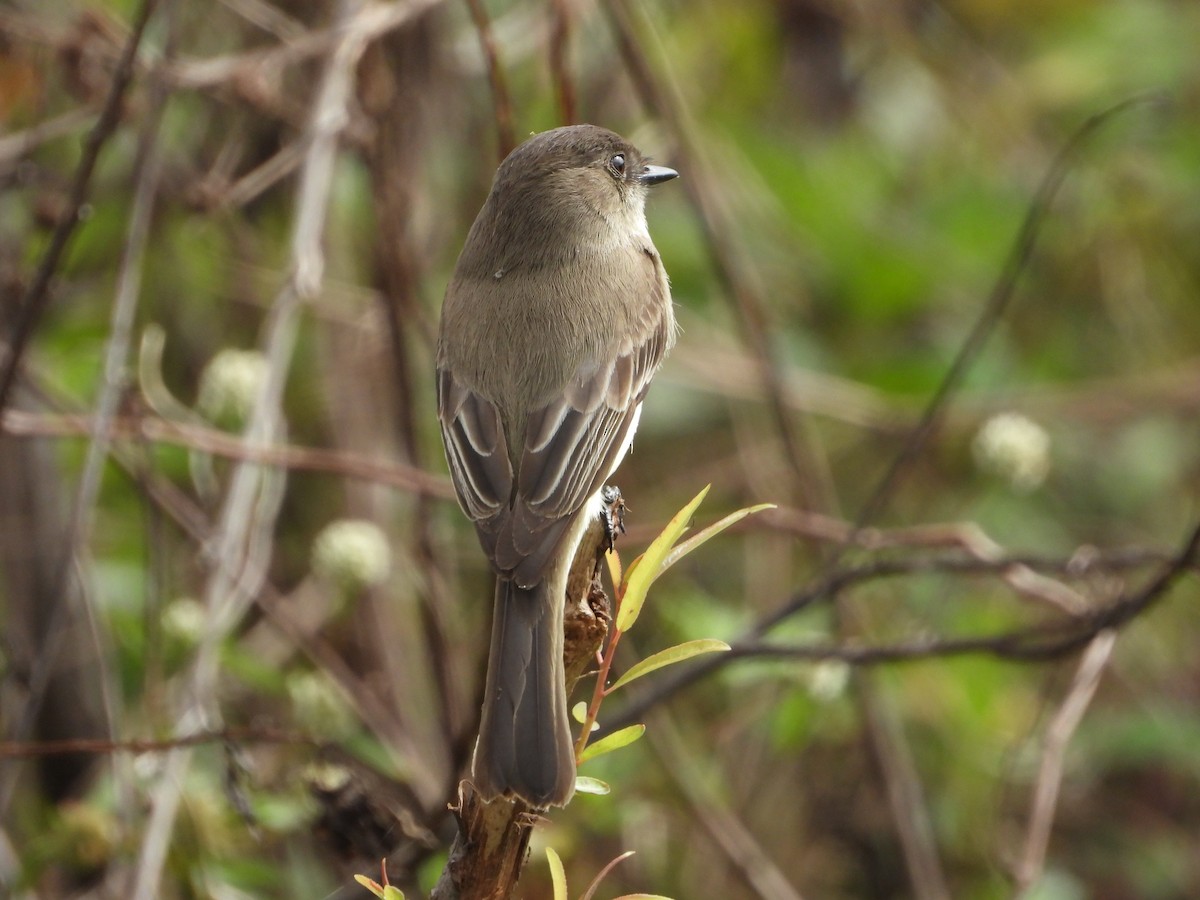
(708, 533)
(668, 657)
(370, 884)
(558, 875)
(384, 891)
(641, 574)
(614, 741)
(585, 784)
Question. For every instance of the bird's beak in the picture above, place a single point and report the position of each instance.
(656, 175)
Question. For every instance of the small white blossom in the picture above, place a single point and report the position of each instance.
(352, 554)
(1015, 448)
(229, 384)
(184, 619)
(829, 680)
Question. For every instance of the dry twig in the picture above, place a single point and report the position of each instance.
(1050, 772)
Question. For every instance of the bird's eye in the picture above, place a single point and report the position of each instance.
(617, 163)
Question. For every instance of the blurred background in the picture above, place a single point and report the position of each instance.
(223, 679)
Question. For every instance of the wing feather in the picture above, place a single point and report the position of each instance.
(571, 446)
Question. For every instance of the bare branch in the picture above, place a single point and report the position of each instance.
(501, 101)
(1050, 772)
(221, 443)
(37, 297)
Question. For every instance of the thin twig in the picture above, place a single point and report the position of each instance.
(998, 303)
(15, 146)
(135, 746)
(1050, 773)
(37, 295)
(1037, 644)
(736, 276)
(247, 516)
(728, 832)
(157, 430)
(560, 73)
(501, 101)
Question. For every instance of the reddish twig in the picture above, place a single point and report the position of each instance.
(37, 749)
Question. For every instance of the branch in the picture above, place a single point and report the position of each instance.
(220, 443)
(1050, 772)
(252, 501)
(36, 299)
(661, 98)
(1038, 644)
(501, 101)
(998, 303)
(560, 36)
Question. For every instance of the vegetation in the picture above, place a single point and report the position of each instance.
(936, 270)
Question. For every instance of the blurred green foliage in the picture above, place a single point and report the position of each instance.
(871, 166)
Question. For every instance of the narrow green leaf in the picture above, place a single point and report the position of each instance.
(558, 875)
(640, 576)
(614, 741)
(708, 533)
(383, 891)
(668, 657)
(370, 884)
(586, 785)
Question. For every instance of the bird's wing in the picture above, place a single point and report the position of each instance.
(575, 442)
(477, 452)
(572, 444)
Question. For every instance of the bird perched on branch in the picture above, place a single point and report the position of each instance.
(556, 318)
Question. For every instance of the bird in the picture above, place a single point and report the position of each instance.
(555, 320)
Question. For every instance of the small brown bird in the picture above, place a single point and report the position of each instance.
(556, 318)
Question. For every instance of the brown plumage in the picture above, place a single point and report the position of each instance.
(556, 318)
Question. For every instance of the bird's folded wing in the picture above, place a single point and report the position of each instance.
(572, 444)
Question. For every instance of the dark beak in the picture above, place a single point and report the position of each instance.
(656, 175)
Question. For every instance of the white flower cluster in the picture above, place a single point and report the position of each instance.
(352, 554)
(1014, 448)
(185, 619)
(229, 384)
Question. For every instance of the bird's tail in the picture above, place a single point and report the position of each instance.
(525, 747)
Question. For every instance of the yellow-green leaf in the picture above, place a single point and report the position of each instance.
(370, 884)
(558, 875)
(708, 533)
(614, 741)
(585, 784)
(639, 578)
(668, 657)
(383, 891)
(613, 560)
